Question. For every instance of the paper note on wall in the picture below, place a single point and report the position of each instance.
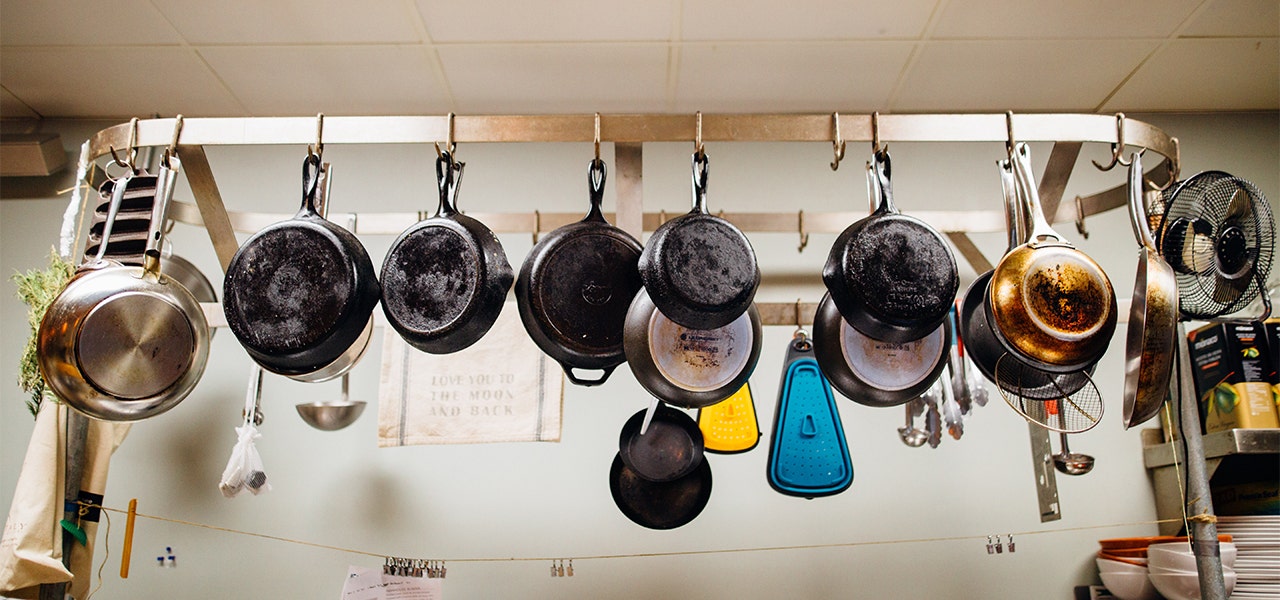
(371, 584)
(501, 389)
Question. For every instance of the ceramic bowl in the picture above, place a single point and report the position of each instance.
(1129, 586)
(1186, 586)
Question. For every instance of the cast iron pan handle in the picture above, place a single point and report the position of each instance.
(699, 183)
(596, 175)
(310, 182)
(605, 373)
(883, 170)
(448, 182)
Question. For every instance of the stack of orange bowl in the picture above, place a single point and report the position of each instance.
(1122, 565)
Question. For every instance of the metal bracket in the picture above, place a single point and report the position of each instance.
(1046, 479)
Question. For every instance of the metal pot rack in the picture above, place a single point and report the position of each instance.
(1068, 132)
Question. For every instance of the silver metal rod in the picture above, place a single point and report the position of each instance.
(1204, 531)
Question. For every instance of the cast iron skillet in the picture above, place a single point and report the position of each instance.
(299, 292)
(873, 372)
(892, 276)
(699, 269)
(660, 505)
(690, 368)
(575, 286)
(445, 278)
(671, 448)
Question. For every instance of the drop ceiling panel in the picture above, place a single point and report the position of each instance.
(556, 78)
(351, 80)
(1057, 75)
(547, 21)
(1061, 19)
(80, 82)
(291, 22)
(1236, 18)
(784, 77)
(1206, 74)
(83, 23)
(803, 20)
(13, 108)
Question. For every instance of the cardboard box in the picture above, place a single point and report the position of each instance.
(1273, 345)
(1233, 370)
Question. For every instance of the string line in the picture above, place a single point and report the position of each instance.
(643, 554)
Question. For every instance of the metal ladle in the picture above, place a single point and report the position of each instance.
(1068, 462)
(910, 435)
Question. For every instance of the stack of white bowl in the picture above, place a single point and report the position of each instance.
(1171, 567)
(1258, 565)
(1126, 578)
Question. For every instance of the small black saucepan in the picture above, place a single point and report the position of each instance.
(699, 269)
(660, 505)
(299, 293)
(875, 372)
(445, 278)
(669, 449)
(891, 275)
(575, 287)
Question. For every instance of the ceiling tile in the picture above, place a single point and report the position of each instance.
(556, 78)
(13, 108)
(83, 23)
(547, 20)
(1061, 19)
(1236, 18)
(299, 80)
(1050, 75)
(803, 20)
(316, 21)
(773, 77)
(80, 82)
(1206, 74)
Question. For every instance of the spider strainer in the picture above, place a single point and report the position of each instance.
(1070, 412)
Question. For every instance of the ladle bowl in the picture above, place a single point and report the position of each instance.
(332, 416)
(1072, 463)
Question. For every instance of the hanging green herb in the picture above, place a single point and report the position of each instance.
(38, 288)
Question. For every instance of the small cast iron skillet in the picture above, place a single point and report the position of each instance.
(660, 505)
(670, 448)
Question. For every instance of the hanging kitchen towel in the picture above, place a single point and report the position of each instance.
(501, 389)
(31, 546)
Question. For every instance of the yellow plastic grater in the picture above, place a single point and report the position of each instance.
(730, 426)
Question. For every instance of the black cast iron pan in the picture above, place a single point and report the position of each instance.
(660, 505)
(699, 269)
(892, 276)
(445, 278)
(299, 293)
(575, 286)
(670, 448)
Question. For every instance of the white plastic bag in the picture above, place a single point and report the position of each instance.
(244, 470)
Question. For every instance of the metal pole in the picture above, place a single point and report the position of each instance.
(1203, 528)
(77, 431)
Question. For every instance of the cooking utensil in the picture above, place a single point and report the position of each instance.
(981, 343)
(1153, 318)
(1049, 304)
(892, 276)
(908, 433)
(952, 416)
(575, 287)
(1076, 412)
(700, 270)
(1218, 234)
(874, 372)
(332, 416)
(445, 278)
(669, 447)
(730, 426)
(298, 294)
(932, 422)
(123, 343)
(808, 454)
(659, 504)
(689, 368)
(1068, 462)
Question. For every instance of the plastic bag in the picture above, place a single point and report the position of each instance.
(244, 469)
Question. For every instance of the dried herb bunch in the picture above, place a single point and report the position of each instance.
(38, 288)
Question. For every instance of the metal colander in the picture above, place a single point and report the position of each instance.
(1218, 234)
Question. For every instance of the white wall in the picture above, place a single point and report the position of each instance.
(506, 500)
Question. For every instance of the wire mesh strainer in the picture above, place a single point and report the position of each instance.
(1071, 411)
